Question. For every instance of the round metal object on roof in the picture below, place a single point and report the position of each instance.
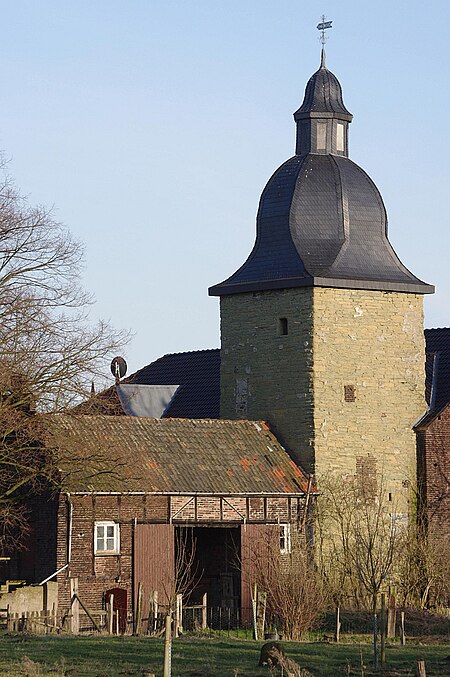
(118, 367)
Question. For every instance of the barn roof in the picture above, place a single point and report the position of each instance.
(132, 454)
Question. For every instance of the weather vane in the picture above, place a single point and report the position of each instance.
(322, 26)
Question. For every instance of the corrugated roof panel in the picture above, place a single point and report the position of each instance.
(121, 453)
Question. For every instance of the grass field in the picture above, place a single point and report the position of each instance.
(31, 656)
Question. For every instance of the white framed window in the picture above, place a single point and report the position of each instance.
(340, 136)
(106, 538)
(285, 538)
(321, 136)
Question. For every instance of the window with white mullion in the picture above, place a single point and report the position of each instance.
(106, 537)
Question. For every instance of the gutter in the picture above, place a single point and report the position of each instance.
(205, 494)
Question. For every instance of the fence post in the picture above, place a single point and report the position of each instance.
(152, 611)
(204, 611)
(383, 625)
(110, 614)
(178, 615)
(75, 615)
(168, 647)
(254, 619)
(261, 598)
(402, 628)
(55, 620)
(375, 641)
(338, 624)
(392, 604)
(421, 669)
(138, 620)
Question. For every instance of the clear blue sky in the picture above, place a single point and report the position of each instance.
(153, 126)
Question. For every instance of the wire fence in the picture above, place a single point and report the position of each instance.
(237, 622)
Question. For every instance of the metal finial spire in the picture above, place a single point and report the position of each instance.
(322, 26)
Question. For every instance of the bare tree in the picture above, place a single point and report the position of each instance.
(360, 538)
(49, 351)
(424, 569)
(46, 338)
(296, 596)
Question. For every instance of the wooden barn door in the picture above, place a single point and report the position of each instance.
(154, 564)
(256, 539)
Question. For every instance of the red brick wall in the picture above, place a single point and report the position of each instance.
(98, 573)
(434, 473)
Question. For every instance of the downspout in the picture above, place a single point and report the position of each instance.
(69, 535)
(69, 543)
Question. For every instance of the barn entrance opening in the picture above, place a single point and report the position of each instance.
(208, 558)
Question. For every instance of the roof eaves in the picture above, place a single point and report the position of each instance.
(429, 416)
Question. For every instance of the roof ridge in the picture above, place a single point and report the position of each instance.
(163, 421)
(190, 352)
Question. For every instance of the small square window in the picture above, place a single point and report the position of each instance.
(106, 538)
(350, 393)
(285, 538)
(283, 327)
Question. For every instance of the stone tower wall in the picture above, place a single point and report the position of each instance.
(343, 389)
(369, 384)
(265, 375)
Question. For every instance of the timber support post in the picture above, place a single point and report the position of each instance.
(383, 626)
(205, 611)
(338, 625)
(75, 607)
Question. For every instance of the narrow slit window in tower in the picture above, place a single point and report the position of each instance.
(283, 328)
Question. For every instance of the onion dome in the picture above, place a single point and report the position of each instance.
(321, 220)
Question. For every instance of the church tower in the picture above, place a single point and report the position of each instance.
(322, 326)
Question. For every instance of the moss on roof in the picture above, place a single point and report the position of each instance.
(125, 453)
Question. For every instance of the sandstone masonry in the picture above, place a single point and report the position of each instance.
(337, 373)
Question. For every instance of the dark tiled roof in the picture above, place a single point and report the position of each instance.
(321, 222)
(437, 367)
(197, 373)
(125, 453)
(321, 219)
(323, 94)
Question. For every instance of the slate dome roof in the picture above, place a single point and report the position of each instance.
(321, 220)
(323, 94)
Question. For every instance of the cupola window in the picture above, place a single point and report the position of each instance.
(340, 137)
(321, 136)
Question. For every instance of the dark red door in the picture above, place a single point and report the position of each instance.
(120, 605)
